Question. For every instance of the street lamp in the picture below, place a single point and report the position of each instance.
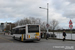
(47, 14)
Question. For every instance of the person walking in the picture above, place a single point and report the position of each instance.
(41, 34)
(4, 33)
(47, 36)
(64, 35)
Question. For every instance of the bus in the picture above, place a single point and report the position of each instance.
(28, 32)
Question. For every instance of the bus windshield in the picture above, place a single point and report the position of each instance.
(33, 28)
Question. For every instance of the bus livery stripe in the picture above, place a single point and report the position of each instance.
(22, 38)
(37, 34)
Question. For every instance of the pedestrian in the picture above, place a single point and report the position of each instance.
(41, 34)
(64, 35)
(4, 33)
(47, 36)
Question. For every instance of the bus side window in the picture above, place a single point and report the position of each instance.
(23, 31)
(16, 31)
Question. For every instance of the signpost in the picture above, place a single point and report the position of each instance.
(70, 26)
(47, 25)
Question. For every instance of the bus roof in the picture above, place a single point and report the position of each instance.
(24, 26)
(19, 26)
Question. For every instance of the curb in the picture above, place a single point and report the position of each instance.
(59, 39)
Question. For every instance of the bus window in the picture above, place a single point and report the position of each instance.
(22, 31)
(33, 28)
(16, 31)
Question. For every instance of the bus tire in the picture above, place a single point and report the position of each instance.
(20, 38)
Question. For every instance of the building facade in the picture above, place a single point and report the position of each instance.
(6, 26)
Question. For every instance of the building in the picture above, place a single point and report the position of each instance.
(6, 26)
(1, 27)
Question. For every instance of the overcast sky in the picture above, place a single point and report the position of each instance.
(60, 10)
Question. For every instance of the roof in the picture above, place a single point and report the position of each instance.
(24, 25)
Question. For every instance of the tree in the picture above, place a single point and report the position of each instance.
(54, 24)
(31, 20)
(43, 26)
(23, 22)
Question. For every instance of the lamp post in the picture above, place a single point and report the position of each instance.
(47, 14)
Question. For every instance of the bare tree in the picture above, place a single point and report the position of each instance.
(43, 26)
(31, 20)
(54, 23)
(23, 21)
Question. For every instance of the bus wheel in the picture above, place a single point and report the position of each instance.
(20, 38)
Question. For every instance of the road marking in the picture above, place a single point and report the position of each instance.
(6, 39)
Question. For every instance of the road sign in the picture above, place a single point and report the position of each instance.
(47, 25)
(70, 26)
(70, 22)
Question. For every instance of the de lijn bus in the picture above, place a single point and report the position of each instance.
(28, 32)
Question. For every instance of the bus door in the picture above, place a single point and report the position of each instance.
(33, 32)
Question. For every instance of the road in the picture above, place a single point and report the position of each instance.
(7, 43)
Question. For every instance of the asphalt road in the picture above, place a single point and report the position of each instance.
(7, 43)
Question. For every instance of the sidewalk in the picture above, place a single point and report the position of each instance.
(60, 39)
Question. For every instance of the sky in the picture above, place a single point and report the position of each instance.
(60, 10)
